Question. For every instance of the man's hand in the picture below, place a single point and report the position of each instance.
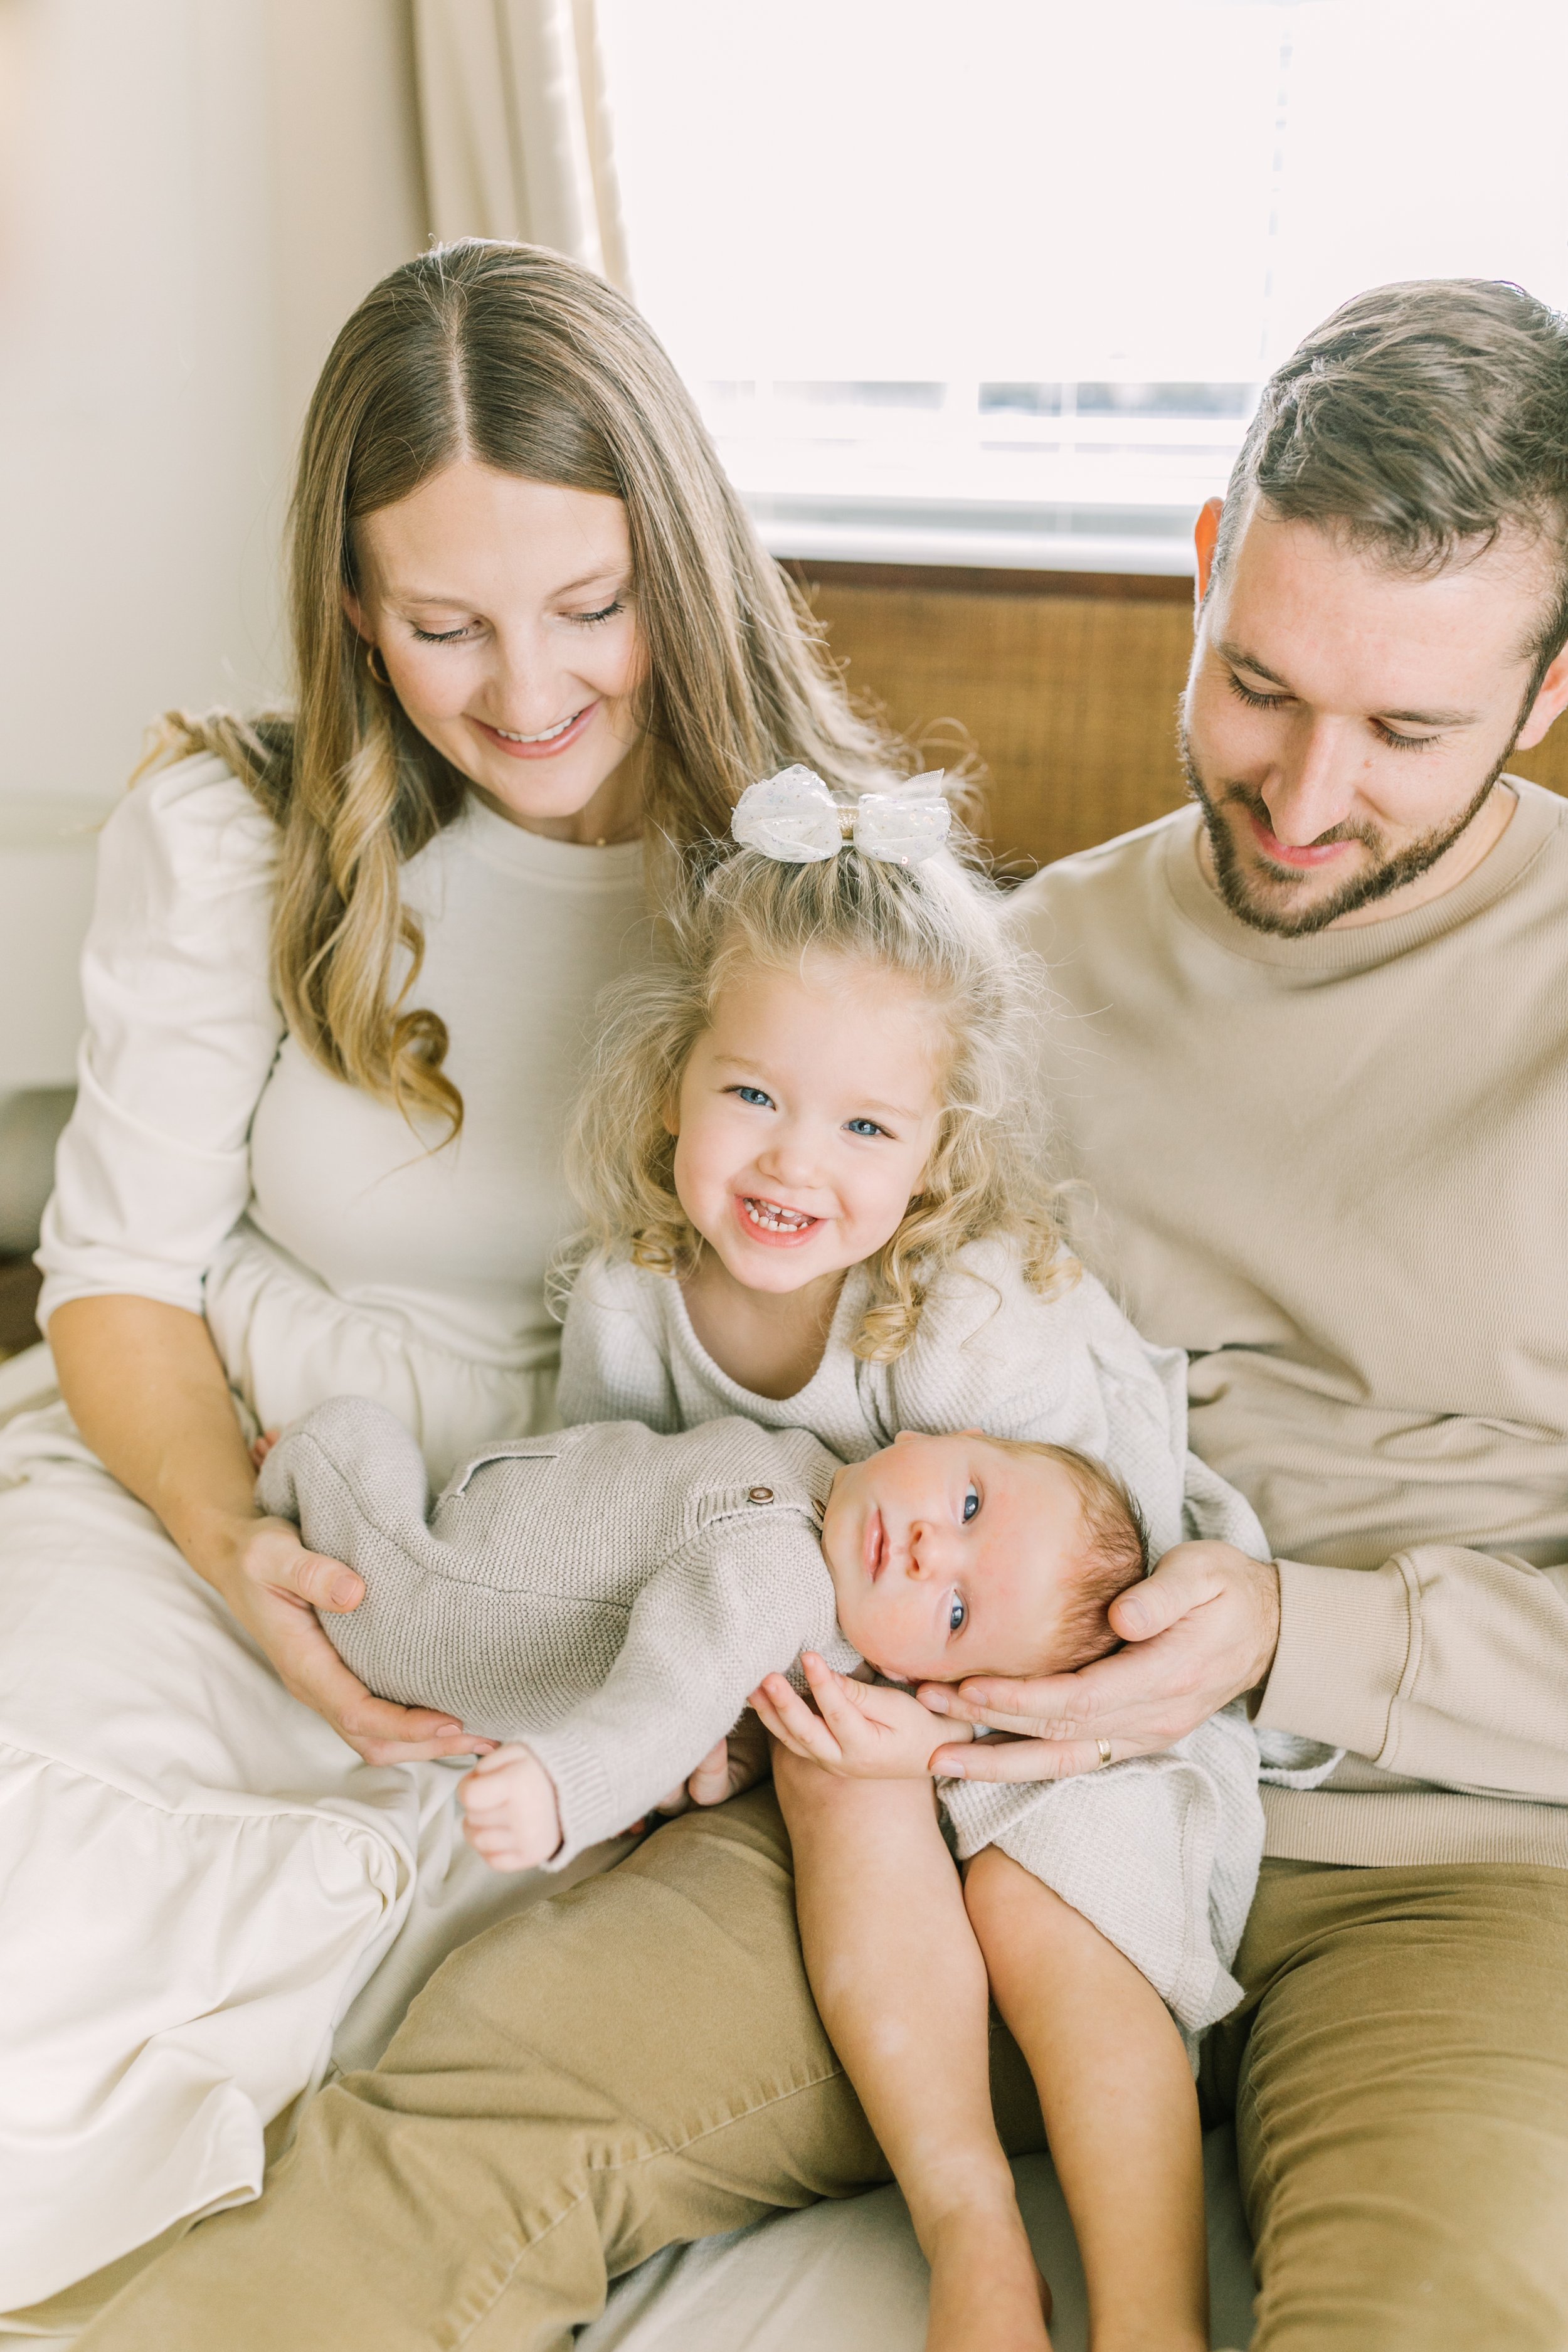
(513, 1813)
(1203, 1629)
(864, 1731)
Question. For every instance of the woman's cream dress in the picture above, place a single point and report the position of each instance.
(199, 1877)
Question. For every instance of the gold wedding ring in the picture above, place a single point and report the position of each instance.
(1104, 1748)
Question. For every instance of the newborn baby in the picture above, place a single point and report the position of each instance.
(605, 1599)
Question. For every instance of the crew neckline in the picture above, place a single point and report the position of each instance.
(1536, 817)
(514, 849)
(849, 1307)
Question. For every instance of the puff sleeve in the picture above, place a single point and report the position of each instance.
(183, 1028)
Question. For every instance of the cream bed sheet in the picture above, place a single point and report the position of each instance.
(850, 2278)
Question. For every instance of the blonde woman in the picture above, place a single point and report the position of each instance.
(337, 982)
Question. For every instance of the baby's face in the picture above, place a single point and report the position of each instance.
(951, 1556)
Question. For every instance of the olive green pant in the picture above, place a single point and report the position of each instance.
(639, 2062)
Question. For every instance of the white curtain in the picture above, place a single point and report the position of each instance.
(515, 126)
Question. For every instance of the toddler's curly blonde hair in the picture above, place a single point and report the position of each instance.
(938, 924)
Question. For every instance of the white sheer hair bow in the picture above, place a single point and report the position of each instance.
(795, 818)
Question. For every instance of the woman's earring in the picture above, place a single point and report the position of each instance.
(379, 675)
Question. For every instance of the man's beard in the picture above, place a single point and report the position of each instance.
(1382, 874)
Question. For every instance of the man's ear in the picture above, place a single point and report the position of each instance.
(1205, 532)
(1552, 699)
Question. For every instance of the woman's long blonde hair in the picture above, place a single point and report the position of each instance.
(519, 359)
(936, 925)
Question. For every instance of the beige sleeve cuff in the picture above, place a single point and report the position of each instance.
(1345, 1637)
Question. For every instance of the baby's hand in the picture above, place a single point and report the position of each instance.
(513, 1813)
(263, 1447)
(864, 1732)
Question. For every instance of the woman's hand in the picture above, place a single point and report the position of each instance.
(274, 1587)
(147, 1391)
(864, 1732)
(1201, 1630)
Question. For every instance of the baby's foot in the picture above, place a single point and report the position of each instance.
(986, 2291)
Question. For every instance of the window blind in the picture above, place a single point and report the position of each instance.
(998, 284)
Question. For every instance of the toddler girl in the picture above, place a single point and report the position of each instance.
(807, 1153)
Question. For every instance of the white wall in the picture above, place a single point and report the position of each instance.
(348, 191)
(194, 194)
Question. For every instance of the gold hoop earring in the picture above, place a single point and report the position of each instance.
(379, 675)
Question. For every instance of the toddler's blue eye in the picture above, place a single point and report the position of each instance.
(864, 1127)
(957, 1614)
(971, 1503)
(755, 1095)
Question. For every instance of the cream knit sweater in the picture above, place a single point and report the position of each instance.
(608, 1595)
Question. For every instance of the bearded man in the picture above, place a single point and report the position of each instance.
(1319, 1088)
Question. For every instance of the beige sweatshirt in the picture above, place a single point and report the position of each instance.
(1335, 1169)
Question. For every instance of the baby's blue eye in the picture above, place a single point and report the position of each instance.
(957, 1614)
(864, 1127)
(755, 1095)
(971, 1504)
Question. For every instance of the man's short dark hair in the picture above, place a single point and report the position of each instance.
(1420, 420)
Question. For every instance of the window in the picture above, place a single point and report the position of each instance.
(997, 284)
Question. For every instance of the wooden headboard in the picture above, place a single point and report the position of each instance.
(1066, 684)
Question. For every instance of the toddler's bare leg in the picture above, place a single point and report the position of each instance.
(1120, 2104)
(900, 1986)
